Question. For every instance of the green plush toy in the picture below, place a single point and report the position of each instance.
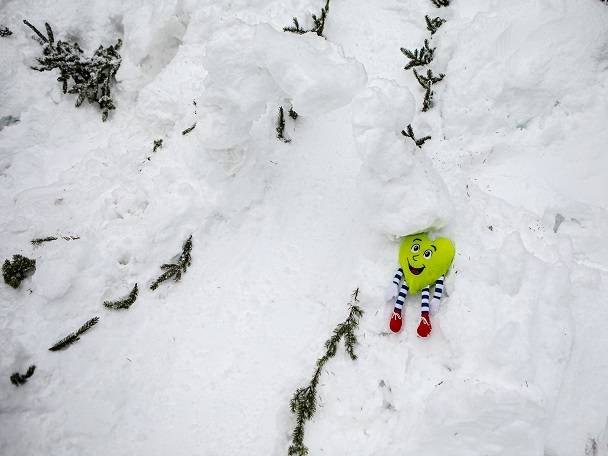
(424, 262)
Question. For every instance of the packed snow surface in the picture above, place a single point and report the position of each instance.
(516, 174)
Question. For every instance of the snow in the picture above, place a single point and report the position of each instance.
(515, 174)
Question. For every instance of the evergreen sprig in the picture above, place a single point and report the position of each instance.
(409, 132)
(158, 143)
(440, 3)
(295, 28)
(292, 113)
(175, 270)
(419, 57)
(427, 83)
(39, 241)
(17, 270)
(75, 336)
(5, 31)
(433, 24)
(125, 302)
(91, 78)
(17, 379)
(318, 23)
(281, 126)
(304, 402)
(189, 129)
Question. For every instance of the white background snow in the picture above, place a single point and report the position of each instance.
(283, 233)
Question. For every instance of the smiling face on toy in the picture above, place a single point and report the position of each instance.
(424, 260)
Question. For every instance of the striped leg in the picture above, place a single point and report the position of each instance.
(401, 298)
(439, 288)
(396, 319)
(398, 277)
(424, 307)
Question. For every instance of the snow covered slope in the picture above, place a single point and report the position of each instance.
(515, 173)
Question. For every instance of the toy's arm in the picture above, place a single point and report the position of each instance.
(393, 289)
(437, 295)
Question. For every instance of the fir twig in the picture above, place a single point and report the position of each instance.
(91, 78)
(433, 24)
(39, 241)
(419, 57)
(295, 28)
(125, 302)
(158, 143)
(281, 126)
(427, 82)
(75, 336)
(17, 270)
(304, 402)
(175, 270)
(318, 23)
(189, 129)
(4, 32)
(440, 3)
(17, 379)
(408, 132)
(292, 113)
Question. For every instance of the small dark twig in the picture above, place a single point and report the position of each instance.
(419, 57)
(440, 3)
(433, 24)
(293, 114)
(15, 271)
(408, 132)
(295, 28)
(17, 379)
(125, 302)
(4, 32)
(158, 143)
(75, 336)
(175, 270)
(281, 126)
(189, 129)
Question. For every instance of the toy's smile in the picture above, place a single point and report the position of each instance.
(415, 271)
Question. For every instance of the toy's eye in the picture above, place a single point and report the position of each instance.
(415, 248)
(428, 254)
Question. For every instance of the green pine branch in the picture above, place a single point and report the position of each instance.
(295, 28)
(17, 379)
(175, 270)
(292, 113)
(409, 132)
(189, 129)
(15, 271)
(440, 3)
(125, 302)
(427, 83)
(281, 126)
(90, 78)
(433, 24)
(75, 336)
(318, 23)
(419, 57)
(39, 241)
(304, 402)
(158, 143)
(4, 32)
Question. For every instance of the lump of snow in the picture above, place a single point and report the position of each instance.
(313, 72)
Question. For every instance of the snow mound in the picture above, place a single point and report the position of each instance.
(397, 179)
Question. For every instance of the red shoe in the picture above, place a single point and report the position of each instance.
(424, 328)
(396, 322)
